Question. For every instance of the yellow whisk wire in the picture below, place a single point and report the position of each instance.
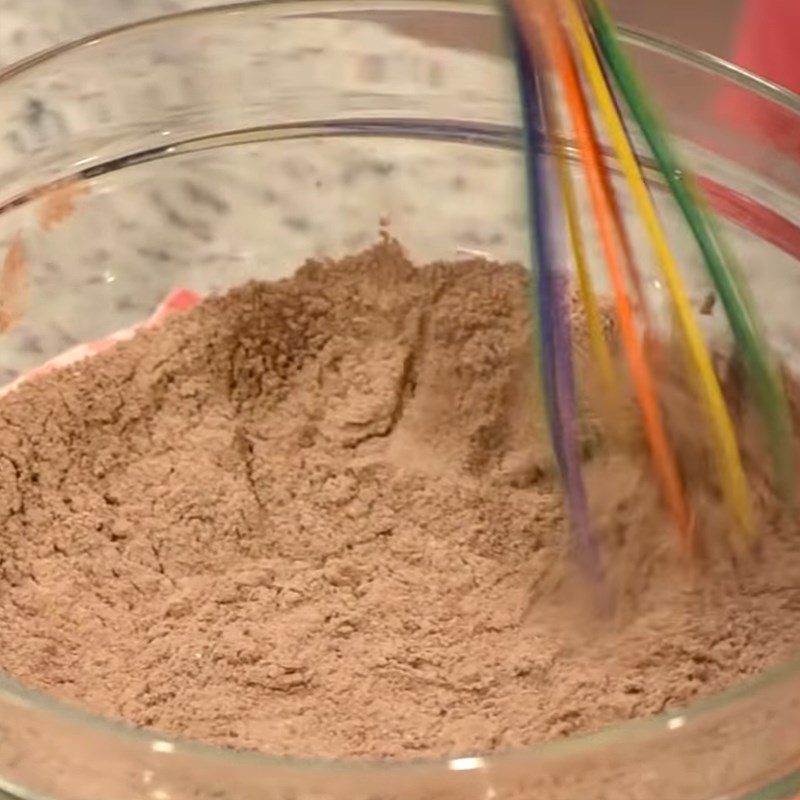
(594, 322)
(726, 448)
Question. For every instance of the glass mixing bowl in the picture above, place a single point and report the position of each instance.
(221, 145)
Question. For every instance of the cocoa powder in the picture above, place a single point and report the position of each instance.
(318, 517)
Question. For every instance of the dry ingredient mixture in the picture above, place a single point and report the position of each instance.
(318, 517)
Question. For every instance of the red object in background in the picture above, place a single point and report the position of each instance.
(178, 301)
(768, 44)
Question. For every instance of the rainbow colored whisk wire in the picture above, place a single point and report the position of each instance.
(577, 85)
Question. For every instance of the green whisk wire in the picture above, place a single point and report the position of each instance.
(733, 295)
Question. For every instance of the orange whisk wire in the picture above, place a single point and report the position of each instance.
(617, 256)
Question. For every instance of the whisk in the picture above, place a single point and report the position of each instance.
(576, 84)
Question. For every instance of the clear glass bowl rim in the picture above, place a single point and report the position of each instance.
(14, 694)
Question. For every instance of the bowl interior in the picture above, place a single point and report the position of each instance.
(211, 148)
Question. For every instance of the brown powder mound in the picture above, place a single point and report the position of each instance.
(318, 517)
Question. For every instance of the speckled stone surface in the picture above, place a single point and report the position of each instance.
(28, 26)
(214, 218)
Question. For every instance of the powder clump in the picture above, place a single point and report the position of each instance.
(318, 517)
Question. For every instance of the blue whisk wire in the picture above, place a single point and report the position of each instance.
(550, 306)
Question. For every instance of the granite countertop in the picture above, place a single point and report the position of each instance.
(214, 221)
(217, 220)
(28, 26)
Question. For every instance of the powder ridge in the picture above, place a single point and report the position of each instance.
(318, 517)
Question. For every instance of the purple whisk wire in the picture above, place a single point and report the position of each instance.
(550, 307)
